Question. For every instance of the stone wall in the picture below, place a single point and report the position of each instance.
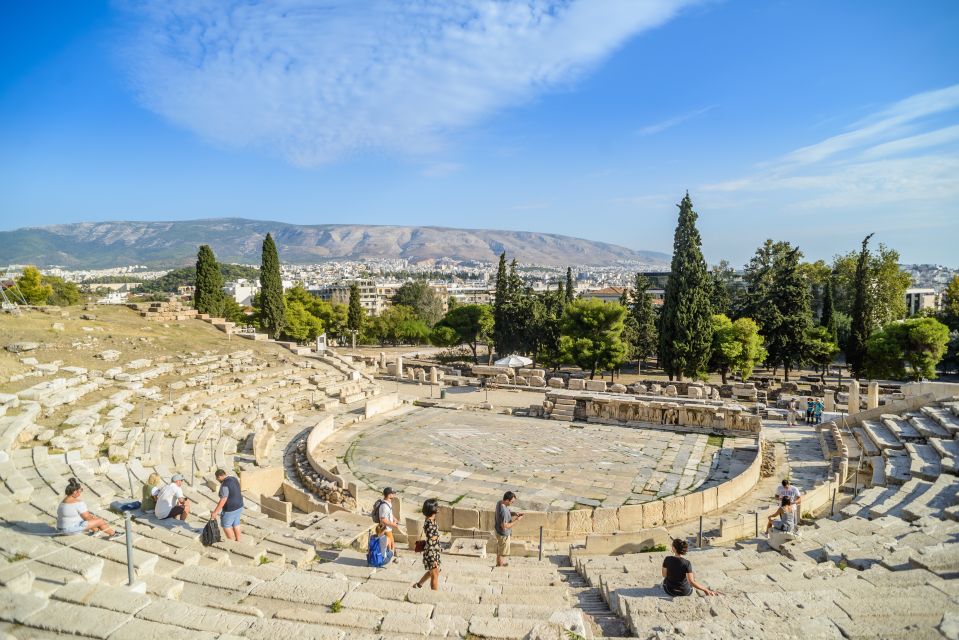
(381, 404)
(580, 523)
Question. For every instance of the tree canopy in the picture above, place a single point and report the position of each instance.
(420, 297)
(272, 308)
(592, 335)
(911, 348)
(208, 296)
(736, 347)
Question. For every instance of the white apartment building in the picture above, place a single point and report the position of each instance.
(242, 291)
(919, 299)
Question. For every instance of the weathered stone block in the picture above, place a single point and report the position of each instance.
(605, 520)
(630, 517)
(580, 521)
(466, 518)
(652, 514)
(576, 384)
(674, 509)
(595, 385)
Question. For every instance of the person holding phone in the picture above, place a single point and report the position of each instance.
(504, 521)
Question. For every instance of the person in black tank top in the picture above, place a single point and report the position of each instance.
(678, 578)
(230, 505)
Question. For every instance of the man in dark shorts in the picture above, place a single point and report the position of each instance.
(678, 578)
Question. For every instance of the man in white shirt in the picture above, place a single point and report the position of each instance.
(792, 491)
(170, 500)
(386, 519)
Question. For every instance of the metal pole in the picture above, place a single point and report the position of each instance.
(700, 532)
(212, 460)
(128, 524)
(832, 509)
(541, 543)
(757, 523)
(130, 480)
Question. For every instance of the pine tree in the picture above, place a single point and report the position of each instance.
(272, 308)
(641, 311)
(208, 296)
(354, 317)
(828, 310)
(570, 289)
(859, 334)
(685, 336)
(789, 313)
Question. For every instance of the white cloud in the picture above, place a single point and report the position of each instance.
(441, 169)
(314, 80)
(669, 123)
(886, 159)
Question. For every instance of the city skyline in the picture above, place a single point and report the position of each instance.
(807, 122)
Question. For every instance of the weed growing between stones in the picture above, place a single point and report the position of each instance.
(654, 549)
(336, 606)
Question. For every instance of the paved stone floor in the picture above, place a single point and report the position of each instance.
(471, 458)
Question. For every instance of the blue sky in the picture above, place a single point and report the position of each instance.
(810, 121)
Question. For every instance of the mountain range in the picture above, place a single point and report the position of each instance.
(95, 245)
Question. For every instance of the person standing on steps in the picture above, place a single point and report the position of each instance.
(385, 518)
(678, 577)
(230, 505)
(504, 521)
(431, 552)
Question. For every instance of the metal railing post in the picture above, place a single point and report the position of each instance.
(701, 532)
(540, 542)
(832, 509)
(757, 523)
(128, 524)
(130, 481)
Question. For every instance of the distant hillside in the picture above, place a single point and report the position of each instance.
(111, 244)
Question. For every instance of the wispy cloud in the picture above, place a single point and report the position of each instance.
(441, 169)
(669, 123)
(314, 80)
(900, 155)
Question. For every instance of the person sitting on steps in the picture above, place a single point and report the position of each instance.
(787, 516)
(73, 515)
(678, 578)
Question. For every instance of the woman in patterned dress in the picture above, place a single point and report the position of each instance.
(431, 554)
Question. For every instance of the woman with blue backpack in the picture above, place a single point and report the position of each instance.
(430, 546)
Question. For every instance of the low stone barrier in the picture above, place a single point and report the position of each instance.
(611, 544)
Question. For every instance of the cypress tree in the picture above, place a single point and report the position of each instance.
(686, 333)
(859, 334)
(272, 307)
(789, 313)
(208, 295)
(570, 289)
(644, 318)
(500, 306)
(828, 309)
(354, 316)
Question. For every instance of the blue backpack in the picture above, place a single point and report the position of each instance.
(378, 555)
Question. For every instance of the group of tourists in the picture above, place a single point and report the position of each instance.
(165, 500)
(382, 543)
(814, 409)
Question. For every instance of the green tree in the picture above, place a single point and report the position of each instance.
(789, 316)
(272, 309)
(592, 335)
(827, 318)
(885, 295)
(819, 348)
(31, 287)
(419, 296)
(758, 280)
(354, 316)
(570, 287)
(861, 312)
(722, 276)
(208, 294)
(401, 325)
(685, 331)
(64, 293)
(501, 301)
(443, 336)
(910, 348)
(950, 304)
(737, 346)
(472, 324)
(644, 335)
